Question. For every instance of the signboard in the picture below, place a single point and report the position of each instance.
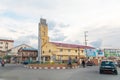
(91, 53)
(94, 52)
(112, 52)
(100, 52)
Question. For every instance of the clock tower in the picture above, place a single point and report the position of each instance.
(43, 32)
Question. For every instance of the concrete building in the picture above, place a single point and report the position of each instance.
(2, 54)
(6, 44)
(14, 51)
(15, 54)
(57, 51)
(29, 54)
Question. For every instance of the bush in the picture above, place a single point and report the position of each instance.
(7, 57)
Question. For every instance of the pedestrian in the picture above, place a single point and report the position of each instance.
(2, 63)
(83, 63)
(70, 62)
(77, 61)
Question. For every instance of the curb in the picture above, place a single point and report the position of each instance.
(31, 67)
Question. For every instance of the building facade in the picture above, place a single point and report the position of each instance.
(15, 54)
(14, 51)
(112, 52)
(2, 54)
(6, 44)
(57, 51)
(29, 54)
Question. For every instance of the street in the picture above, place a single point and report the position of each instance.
(19, 72)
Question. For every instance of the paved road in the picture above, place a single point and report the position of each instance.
(18, 72)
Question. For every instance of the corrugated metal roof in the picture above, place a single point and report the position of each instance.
(19, 46)
(30, 49)
(71, 45)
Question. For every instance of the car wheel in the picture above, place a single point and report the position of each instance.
(116, 73)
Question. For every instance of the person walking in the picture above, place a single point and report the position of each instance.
(83, 63)
(70, 62)
(2, 63)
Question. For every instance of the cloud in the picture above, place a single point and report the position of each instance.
(104, 36)
(31, 40)
(51, 25)
(66, 23)
(11, 30)
(97, 43)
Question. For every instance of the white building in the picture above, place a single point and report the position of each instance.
(14, 51)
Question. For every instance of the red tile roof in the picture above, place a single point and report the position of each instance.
(7, 40)
(71, 45)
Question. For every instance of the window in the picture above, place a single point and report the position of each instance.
(61, 50)
(82, 51)
(6, 47)
(76, 51)
(69, 50)
(1, 47)
(44, 33)
(49, 50)
(43, 52)
(1, 42)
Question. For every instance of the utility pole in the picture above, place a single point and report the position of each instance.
(85, 34)
(39, 44)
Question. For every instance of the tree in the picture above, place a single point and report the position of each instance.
(6, 57)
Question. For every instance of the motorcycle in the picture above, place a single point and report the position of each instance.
(2, 63)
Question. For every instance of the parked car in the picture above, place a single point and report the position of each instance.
(108, 67)
(89, 63)
(25, 62)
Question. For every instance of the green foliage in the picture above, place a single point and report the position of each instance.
(7, 57)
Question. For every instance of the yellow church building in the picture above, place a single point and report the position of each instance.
(58, 51)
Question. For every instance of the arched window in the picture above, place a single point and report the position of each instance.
(61, 50)
(49, 50)
(43, 52)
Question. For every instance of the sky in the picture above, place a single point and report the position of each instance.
(67, 21)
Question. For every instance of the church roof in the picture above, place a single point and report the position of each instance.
(71, 45)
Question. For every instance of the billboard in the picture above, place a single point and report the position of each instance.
(91, 53)
(112, 52)
(100, 52)
(94, 52)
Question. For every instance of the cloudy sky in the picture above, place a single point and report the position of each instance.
(67, 21)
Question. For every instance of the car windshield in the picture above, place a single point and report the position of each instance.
(107, 63)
